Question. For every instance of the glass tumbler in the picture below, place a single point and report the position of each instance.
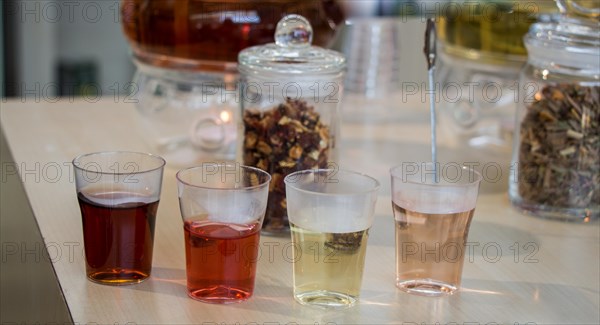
(223, 206)
(118, 194)
(433, 209)
(330, 214)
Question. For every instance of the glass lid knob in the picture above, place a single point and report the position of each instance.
(293, 31)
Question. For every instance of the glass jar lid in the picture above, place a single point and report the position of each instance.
(292, 52)
(571, 42)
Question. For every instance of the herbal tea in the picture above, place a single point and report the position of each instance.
(430, 246)
(118, 231)
(328, 267)
(221, 260)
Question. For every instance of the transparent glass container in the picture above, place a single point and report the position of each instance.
(477, 100)
(556, 151)
(187, 117)
(481, 54)
(290, 101)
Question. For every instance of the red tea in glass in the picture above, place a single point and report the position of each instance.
(222, 207)
(221, 260)
(118, 231)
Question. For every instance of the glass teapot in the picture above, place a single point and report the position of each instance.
(481, 54)
(205, 34)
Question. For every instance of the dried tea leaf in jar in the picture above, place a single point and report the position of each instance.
(559, 154)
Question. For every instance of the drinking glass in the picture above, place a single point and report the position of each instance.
(330, 213)
(118, 194)
(433, 208)
(223, 207)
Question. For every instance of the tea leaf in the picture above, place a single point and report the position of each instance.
(559, 153)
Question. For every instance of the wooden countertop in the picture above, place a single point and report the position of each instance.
(521, 269)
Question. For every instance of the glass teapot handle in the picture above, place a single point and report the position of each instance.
(589, 9)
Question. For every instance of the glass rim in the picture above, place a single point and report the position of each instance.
(243, 167)
(476, 181)
(287, 181)
(161, 160)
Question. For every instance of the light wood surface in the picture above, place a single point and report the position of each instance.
(553, 277)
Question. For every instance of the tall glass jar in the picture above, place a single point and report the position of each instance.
(556, 152)
(291, 93)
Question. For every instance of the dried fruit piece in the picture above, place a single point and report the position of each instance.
(281, 140)
(250, 140)
(295, 152)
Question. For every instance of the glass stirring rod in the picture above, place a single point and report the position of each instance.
(430, 55)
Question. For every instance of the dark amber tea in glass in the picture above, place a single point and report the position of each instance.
(119, 237)
(118, 194)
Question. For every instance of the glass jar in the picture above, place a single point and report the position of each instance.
(291, 93)
(481, 53)
(556, 152)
